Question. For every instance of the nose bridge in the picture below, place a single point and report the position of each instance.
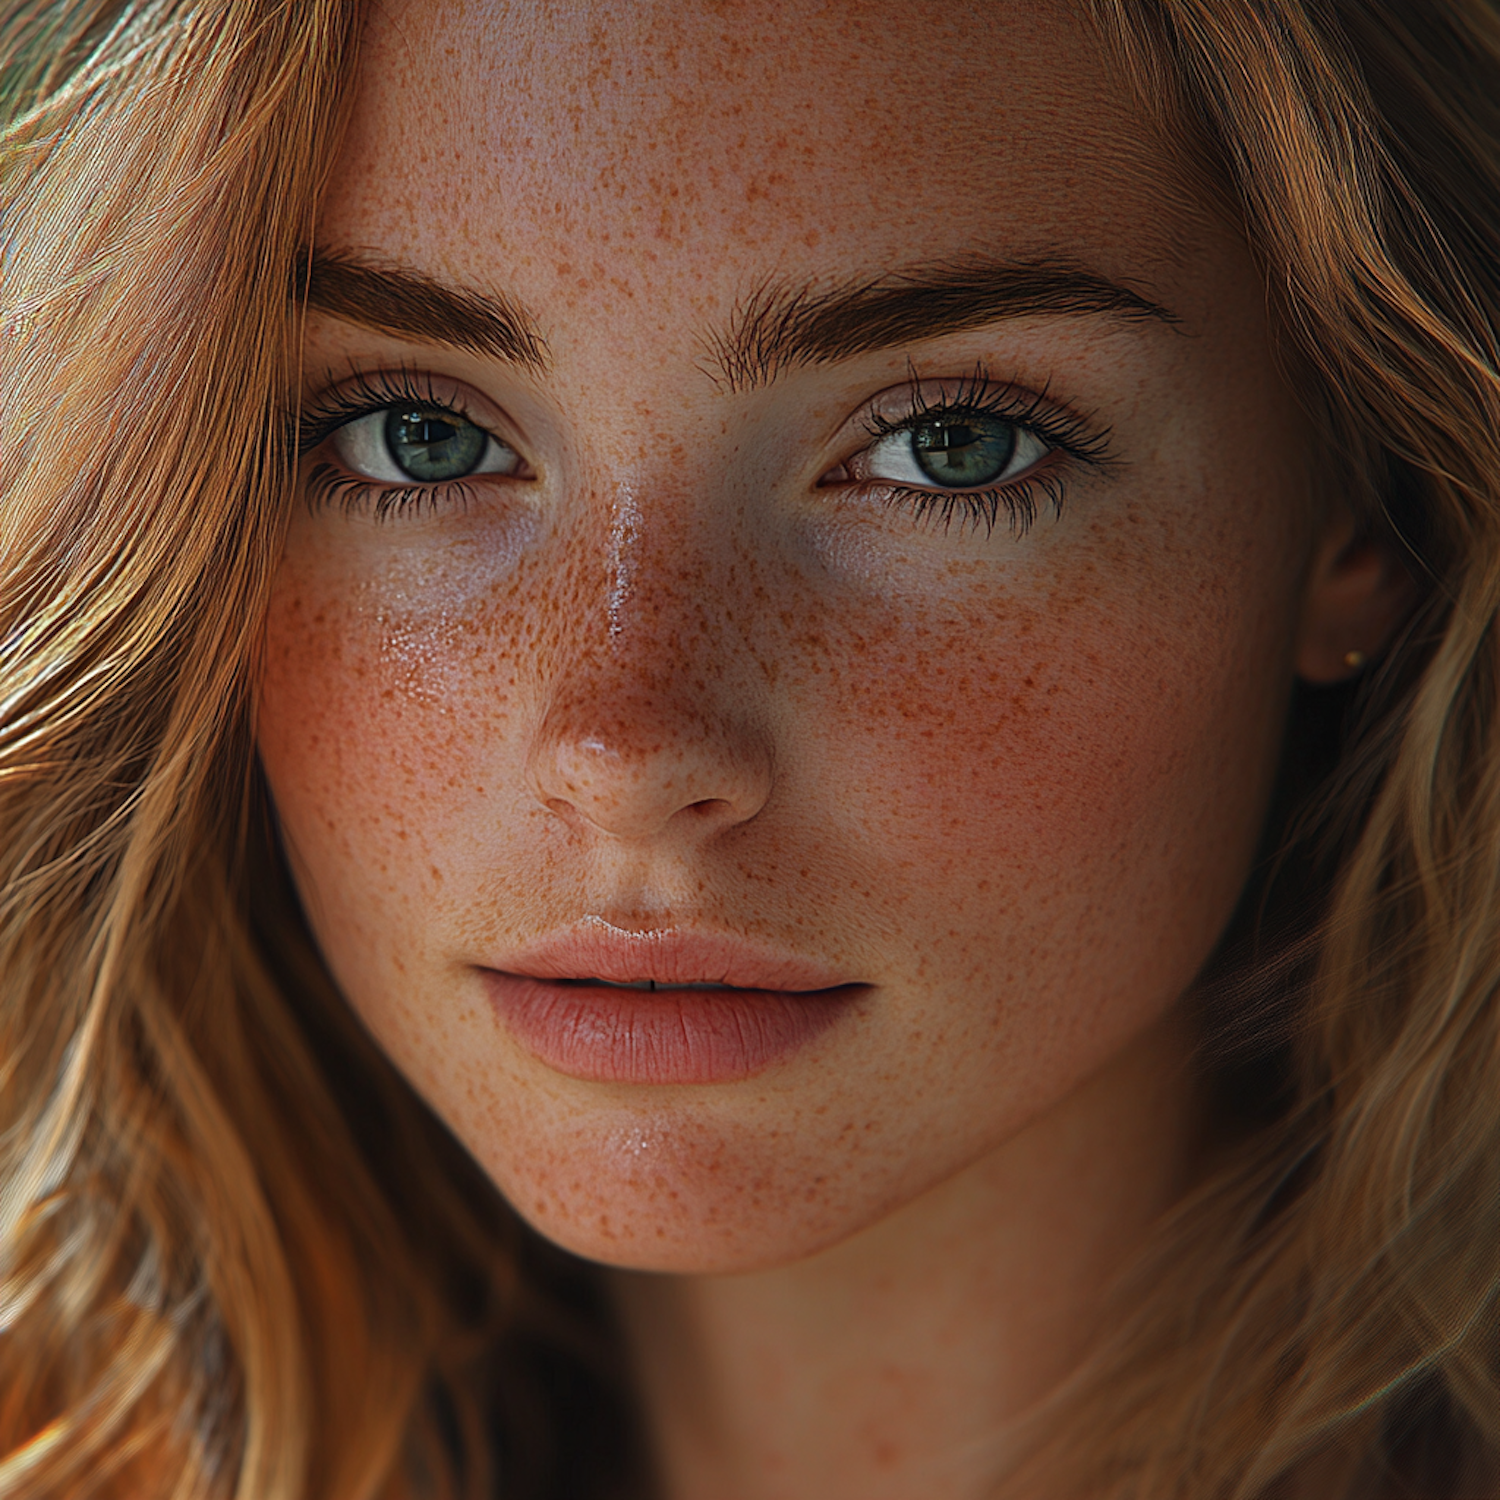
(661, 612)
(661, 562)
(651, 716)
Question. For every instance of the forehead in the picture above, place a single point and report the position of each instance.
(682, 151)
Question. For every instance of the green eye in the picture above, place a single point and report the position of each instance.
(965, 451)
(432, 445)
(421, 444)
(955, 450)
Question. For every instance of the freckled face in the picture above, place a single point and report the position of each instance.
(702, 655)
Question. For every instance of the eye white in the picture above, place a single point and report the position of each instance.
(893, 457)
(361, 445)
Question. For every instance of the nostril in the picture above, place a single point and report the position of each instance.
(707, 807)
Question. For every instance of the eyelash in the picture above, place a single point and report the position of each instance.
(1020, 500)
(977, 396)
(352, 493)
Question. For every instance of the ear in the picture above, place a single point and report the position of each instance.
(1357, 594)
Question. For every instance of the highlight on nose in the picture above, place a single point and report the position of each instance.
(658, 769)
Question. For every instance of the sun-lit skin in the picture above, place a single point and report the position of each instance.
(667, 677)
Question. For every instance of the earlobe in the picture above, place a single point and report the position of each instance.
(1358, 592)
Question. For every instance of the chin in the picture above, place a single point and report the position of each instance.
(681, 1196)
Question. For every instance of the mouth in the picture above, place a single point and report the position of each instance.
(653, 986)
(608, 1005)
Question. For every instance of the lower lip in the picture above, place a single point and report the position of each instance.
(607, 1034)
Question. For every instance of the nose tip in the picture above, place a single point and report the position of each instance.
(660, 773)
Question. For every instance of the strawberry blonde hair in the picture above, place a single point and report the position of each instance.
(239, 1258)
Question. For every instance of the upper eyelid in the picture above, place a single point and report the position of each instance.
(1061, 426)
(365, 393)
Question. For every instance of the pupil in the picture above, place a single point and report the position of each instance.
(964, 453)
(433, 445)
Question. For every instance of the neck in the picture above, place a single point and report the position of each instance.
(889, 1366)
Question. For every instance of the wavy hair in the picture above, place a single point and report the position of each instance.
(238, 1258)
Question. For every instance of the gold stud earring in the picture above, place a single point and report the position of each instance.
(1354, 660)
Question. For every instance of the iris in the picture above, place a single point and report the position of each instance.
(432, 445)
(965, 452)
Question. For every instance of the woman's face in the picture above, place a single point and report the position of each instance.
(876, 583)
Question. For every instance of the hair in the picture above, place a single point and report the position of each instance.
(238, 1256)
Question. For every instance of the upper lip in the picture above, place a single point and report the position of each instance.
(596, 949)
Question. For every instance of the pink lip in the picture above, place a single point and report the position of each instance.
(778, 1002)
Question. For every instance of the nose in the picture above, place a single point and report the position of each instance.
(650, 728)
(641, 760)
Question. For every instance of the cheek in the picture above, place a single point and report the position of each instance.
(1071, 733)
(363, 749)
(1062, 787)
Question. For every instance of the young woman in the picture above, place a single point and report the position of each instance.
(750, 753)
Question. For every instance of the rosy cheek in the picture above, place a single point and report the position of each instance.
(1020, 737)
(359, 748)
(1041, 778)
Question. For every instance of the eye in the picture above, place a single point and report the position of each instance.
(422, 444)
(955, 450)
(970, 450)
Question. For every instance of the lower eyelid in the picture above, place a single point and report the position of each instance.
(328, 488)
(1019, 501)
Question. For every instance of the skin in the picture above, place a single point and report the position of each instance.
(666, 676)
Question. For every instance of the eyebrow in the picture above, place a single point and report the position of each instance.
(396, 299)
(782, 326)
